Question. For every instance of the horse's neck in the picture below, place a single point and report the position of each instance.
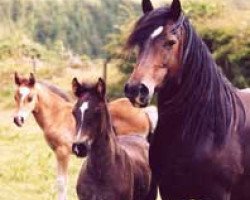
(102, 154)
(48, 107)
(201, 106)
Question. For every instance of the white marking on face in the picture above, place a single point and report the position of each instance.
(83, 108)
(151, 87)
(157, 32)
(22, 113)
(24, 92)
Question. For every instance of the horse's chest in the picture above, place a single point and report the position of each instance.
(184, 168)
(105, 191)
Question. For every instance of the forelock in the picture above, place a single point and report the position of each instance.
(146, 25)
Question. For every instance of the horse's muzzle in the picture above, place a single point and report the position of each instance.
(137, 94)
(18, 120)
(80, 149)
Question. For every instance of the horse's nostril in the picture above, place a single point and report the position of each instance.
(131, 91)
(74, 148)
(79, 149)
(144, 90)
(15, 120)
(22, 119)
(126, 89)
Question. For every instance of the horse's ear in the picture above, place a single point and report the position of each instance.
(75, 87)
(175, 9)
(147, 6)
(101, 88)
(17, 79)
(32, 80)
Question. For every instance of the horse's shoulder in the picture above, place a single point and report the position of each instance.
(133, 143)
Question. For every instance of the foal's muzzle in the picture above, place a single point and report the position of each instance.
(18, 120)
(137, 94)
(80, 149)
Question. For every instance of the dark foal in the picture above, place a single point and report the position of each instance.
(117, 167)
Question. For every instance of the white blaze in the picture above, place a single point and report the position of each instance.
(83, 108)
(24, 91)
(157, 32)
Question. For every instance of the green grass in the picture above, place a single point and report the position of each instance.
(28, 165)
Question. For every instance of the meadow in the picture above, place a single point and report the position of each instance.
(27, 164)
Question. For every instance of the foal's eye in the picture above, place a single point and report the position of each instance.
(169, 43)
(30, 99)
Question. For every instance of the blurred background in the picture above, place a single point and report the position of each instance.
(61, 39)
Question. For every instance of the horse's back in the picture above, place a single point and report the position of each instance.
(244, 95)
(134, 145)
(127, 119)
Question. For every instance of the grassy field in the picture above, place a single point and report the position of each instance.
(27, 164)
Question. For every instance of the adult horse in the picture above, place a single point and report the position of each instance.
(52, 110)
(201, 146)
(117, 167)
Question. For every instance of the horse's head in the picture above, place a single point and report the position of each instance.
(88, 114)
(25, 98)
(159, 36)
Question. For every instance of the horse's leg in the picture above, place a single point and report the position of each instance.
(152, 194)
(62, 155)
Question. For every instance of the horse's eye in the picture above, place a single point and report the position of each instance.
(169, 43)
(30, 99)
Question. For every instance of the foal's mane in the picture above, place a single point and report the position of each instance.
(56, 90)
(202, 95)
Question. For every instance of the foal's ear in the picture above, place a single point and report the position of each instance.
(101, 88)
(32, 80)
(175, 10)
(76, 87)
(147, 6)
(17, 79)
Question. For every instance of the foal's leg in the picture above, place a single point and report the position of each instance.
(62, 155)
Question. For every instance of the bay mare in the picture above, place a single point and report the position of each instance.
(201, 145)
(52, 109)
(117, 167)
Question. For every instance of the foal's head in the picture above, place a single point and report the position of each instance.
(89, 112)
(159, 36)
(25, 98)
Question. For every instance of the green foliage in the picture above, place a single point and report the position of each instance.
(80, 25)
(199, 9)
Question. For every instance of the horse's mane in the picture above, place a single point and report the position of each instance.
(56, 90)
(201, 94)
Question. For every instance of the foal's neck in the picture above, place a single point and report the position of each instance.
(103, 149)
(49, 107)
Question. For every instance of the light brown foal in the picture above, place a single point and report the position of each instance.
(52, 110)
